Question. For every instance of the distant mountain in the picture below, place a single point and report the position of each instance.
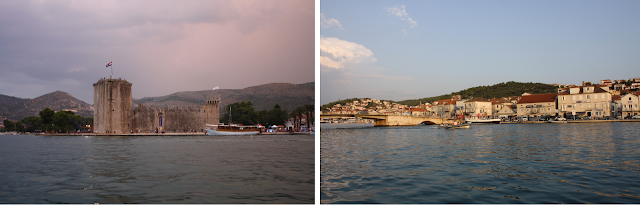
(14, 108)
(264, 97)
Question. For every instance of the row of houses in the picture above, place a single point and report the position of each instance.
(587, 100)
(602, 100)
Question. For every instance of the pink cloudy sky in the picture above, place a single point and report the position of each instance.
(161, 47)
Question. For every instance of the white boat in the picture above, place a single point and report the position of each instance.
(458, 126)
(494, 121)
(233, 129)
(558, 120)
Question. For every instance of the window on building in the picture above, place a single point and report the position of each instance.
(580, 105)
(588, 97)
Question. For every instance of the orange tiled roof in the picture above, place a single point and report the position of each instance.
(538, 98)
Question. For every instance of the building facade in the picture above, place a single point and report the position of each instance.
(477, 107)
(537, 105)
(585, 101)
(629, 104)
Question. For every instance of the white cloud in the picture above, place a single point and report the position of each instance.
(404, 31)
(400, 11)
(328, 23)
(335, 53)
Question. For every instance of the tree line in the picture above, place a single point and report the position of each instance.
(49, 120)
(243, 113)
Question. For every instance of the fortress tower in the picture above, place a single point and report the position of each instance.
(212, 110)
(113, 106)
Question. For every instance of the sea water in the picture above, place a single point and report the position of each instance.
(488, 163)
(157, 169)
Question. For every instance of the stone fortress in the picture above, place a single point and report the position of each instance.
(114, 113)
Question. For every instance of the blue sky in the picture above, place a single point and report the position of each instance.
(399, 50)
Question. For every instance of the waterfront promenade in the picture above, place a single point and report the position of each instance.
(575, 121)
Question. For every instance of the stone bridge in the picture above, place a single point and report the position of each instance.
(393, 120)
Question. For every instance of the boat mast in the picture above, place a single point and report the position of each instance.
(229, 114)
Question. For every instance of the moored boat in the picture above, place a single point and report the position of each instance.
(558, 120)
(233, 129)
(494, 121)
(456, 126)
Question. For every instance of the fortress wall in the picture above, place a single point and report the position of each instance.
(176, 119)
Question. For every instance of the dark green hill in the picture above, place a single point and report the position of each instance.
(494, 91)
(342, 102)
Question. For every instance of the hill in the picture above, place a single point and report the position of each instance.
(494, 91)
(14, 108)
(264, 97)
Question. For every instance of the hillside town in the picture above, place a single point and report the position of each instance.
(609, 99)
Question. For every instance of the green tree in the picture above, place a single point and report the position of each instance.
(62, 120)
(47, 116)
(241, 113)
(8, 125)
(11, 126)
(33, 123)
(306, 110)
(277, 116)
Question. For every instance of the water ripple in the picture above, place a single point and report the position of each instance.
(508, 163)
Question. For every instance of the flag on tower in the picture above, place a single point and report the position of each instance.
(217, 87)
(109, 64)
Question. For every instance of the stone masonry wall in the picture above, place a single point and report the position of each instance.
(176, 119)
(112, 102)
